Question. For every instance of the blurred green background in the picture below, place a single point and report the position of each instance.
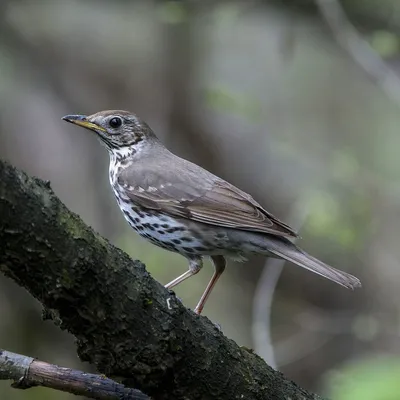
(260, 93)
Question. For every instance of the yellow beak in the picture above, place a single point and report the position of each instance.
(81, 120)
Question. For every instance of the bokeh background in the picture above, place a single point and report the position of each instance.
(291, 100)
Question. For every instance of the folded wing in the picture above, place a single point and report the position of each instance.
(198, 195)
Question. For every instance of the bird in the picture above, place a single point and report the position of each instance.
(181, 207)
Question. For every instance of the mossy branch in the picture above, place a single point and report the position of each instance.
(126, 323)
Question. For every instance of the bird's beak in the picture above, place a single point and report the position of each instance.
(82, 120)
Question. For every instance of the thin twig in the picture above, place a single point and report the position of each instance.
(26, 372)
(262, 310)
(264, 293)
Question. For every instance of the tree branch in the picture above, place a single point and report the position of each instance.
(26, 372)
(126, 324)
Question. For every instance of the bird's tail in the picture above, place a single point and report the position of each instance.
(288, 251)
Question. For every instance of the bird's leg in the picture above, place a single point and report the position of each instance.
(195, 265)
(219, 267)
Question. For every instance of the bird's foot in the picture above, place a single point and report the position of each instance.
(218, 326)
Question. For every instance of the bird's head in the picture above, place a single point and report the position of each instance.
(119, 131)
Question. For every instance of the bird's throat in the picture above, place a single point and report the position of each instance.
(122, 154)
(119, 159)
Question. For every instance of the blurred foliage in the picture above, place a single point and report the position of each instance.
(173, 12)
(222, 100)
(380, 377)
(7, 393)
(385, 43)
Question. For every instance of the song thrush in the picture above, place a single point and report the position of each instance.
(181, 207)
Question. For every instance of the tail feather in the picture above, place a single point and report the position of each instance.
(301, 258)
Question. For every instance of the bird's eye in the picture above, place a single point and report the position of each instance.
(115, 122)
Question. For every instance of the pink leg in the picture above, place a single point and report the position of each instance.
(195, 266)
(219, 267)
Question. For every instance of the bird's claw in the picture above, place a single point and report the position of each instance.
(218, 326)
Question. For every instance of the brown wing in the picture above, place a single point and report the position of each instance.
(198, 195)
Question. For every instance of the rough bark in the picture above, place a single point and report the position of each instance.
(126, 323)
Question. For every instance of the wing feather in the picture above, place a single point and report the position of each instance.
(201, 197)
